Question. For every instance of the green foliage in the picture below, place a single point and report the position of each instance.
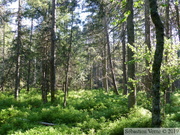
(143, 100)
(88, 112)
(138, 117)
(120, 21)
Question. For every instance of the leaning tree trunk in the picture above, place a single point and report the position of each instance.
(109, 56)
(53, 42)
(156, 117)
(131, 64)
(18, 46)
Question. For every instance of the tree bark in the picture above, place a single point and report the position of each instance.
(168, 89)
(147, 25)
(148, 76)
(68, 61)
(131, 64)
(29, 62)
(44, 79)
(156, 117)
(178, 26)
(107, 45)
(125, 90)
(3, 54)
(53, 42)
(105, 59)
(90, 71)
(110, 58)
(177, 20)
(18, 59)
(35, 72)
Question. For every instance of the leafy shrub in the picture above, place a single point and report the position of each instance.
(90, 124)
(138, 117)
(88, 112)
(61, 115)
(143, 100)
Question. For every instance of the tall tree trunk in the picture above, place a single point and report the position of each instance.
(91, 71)
(131, 65)
(68, 61)
(177, 19)
(44, 79)
(107, 44)
(156, 117)
(35, 72)
(29, 62)
(125, 90)
(110, 59)
(53, 42)
(168, 90)
(105, 59)
(147, 25)
(148, 77)
(3, 54)
(105, 75)
(178, 26)
(18, 59)
(91, 78)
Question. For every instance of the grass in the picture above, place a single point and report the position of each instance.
(88, 112)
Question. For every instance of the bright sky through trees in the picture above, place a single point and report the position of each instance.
(26, 22)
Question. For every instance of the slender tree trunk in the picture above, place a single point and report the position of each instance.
(3, 53)
(168, 90)
(105, 59)
(105, 51)
(125, 90)
(105, 75)
(44, 79)
(177, 20)
(148, 77)
(156, 117)
(29, 62)
(178, 26)
(35, 72)
(91, 71)
(91, 78)
(131, 65)
(53, 42)
(109, 56)
(18, 46)
(68, 61)
(147, 26)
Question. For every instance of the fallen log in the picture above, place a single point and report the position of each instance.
(47, 124)
(43, 123)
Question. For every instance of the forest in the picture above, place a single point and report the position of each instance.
(72, 67)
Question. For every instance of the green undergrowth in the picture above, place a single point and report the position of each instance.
(87, 112)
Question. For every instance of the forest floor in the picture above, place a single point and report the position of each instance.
(88, 112)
